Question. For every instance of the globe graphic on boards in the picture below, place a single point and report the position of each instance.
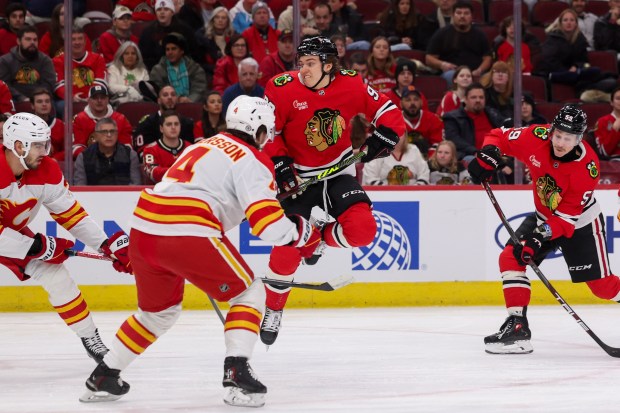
(390, 249)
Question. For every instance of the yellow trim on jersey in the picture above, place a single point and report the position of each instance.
(261, 204)
(185, 202)
(151, 216)
(266, 221)
(231, 260)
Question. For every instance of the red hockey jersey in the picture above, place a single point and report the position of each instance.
(563, 191)
(84, 125)
(89, 70)
(607, 139)
(313, 126)
(158, 158)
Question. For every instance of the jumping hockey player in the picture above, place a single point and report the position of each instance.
(214, 185)
(29, 180)
(314, 107)
(565, 172)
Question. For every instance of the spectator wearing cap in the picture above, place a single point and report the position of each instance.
(247, 84)
(405, 76)
(153, 34)
(179, 71)
(529, 114)
(261, 37)
(306, 18)
(98, 107)
(424, 128)
(119, 33)
(16, 17)
(25, 69)
(241, 15)
(279, 61)
(106, 161)
(88, 70)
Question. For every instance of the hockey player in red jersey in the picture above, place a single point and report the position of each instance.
(565, 172)
(29, 180)
(314, 108)
(177, 234)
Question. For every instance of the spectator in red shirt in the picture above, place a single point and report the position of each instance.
(607, 129)
(261, 37)
(41, 101)
(120, 32)
(52, 43)
(282, 60)
(505, 51)
(381, 65)
(6, 100)
(227, 67)
(98, 108)
(424, 128)
(16, 17)
(161, 154)
(452, 99)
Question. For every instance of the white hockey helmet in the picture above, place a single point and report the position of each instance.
(28, 129)
(247, 114)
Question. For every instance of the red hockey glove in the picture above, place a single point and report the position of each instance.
(49, 249)
(117, 247)
(309, 236)
(531, 243)
(380, 144)
(483, 166)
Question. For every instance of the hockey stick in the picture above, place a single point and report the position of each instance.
(103, 257)
(612, 351)
(332, 285)
(323, 175)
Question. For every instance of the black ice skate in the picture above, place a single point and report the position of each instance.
(104, 385)
(95, 347)
(270, 326)
(320, 249)
(242, 385)
(513, 337)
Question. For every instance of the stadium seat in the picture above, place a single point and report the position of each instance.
(563, 93)
(370, 9)
(3, 4)
(42, 28)
(535, 86)
(134, 111)
(490, 31)
(604, 59)
(545, 12)
(598, 7)
(78, 107)
(104, 6)
(500, 9)
(372, 28)
(278, 6)
(549, 109)
(478, 13)
(410, 54)
(539, 32)
(425, 7)
(95, 29)
(137, 27)
(595, 111)
(23, 107)
(433, 87)
(190, 110)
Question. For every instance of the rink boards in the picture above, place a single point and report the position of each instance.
(434, 246)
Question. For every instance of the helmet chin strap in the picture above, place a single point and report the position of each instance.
(22, 158)
(322, 77)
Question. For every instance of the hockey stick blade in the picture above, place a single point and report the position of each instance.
(84, 254)
(332, 285)
(612, 351)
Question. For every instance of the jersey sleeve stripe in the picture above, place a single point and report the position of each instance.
(70, 217)
(262, 214)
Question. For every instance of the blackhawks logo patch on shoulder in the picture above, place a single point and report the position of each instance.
(541, 132)
(593, 169)
(348, 72)
(283, 80)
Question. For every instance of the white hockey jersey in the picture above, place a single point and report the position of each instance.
(20, 201)
(211, 188)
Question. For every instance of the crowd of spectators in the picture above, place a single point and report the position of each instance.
(447, 64)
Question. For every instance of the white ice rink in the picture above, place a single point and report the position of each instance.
(354, 360)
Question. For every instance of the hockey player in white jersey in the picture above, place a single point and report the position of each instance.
(177, 234)
(29, 179)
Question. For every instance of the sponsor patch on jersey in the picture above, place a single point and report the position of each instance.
(541, 133)
(283, 80)
(593, 169)
(348, 72)
(324, 129)
(549, 192)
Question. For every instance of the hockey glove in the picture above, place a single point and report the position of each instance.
(309, 236)
(380, 144)
(50, 249)
(117, 247)
(483, 166)
(286, 175)
(531, 243)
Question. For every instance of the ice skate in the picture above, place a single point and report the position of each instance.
(270, 326)
(320, 249)
(513, 337)
(242, 386)
(95, 347)
(104, 385)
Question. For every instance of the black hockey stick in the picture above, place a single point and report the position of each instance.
(332, 285)
(612, 351)
(323, 175)
(103, 257)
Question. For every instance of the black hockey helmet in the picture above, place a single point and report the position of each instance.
(571, 119)
(317, 46)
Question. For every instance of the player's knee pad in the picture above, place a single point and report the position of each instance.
(607, 288)
(356, 226)
(284, 260)
(58, 284)
(508, 262)
(253, 296)
(160, 322)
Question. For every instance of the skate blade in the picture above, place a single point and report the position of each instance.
(236, 396)
(98, 396)
(518, 347)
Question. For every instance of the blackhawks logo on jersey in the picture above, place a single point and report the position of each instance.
(593, 169)
(283, 80)
(324, 128)
(549, 192)
(541, 132)
(348, 72)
